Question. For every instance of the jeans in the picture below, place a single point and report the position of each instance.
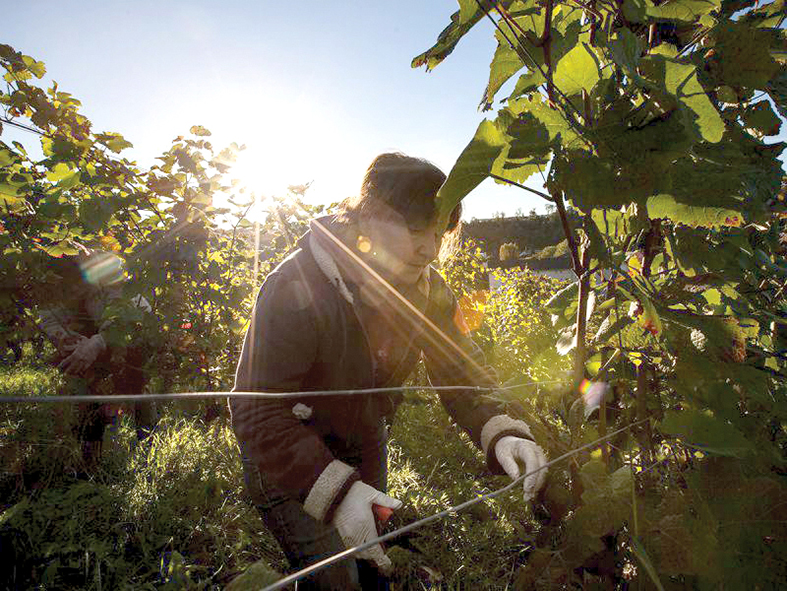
(305, 541)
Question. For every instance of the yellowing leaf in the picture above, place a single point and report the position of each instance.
(59, 172)
(199, 130)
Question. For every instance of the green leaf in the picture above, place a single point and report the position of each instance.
(680, 80)
(38, 69)
(664, 206)
(114, 141)
(7, 156)
(58, 172)
(578, 70)
(473, 166)
(768, 15)
(740, 56)
(639, 551)
(563, 299)
(761, 119)
(560, 132)
(626, 49)
(61, 248)
(587, 180)
(462, 21)
(634, 10)
(611, 326)
(505, 63)
(777, 90)
(529, 148)
(10, 200)
(706, 432)
(681, 10)
(527, 83)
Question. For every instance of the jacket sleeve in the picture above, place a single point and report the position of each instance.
(453, 359)
(278, 351)
(51, 322)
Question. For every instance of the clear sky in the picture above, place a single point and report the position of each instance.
(313, 89)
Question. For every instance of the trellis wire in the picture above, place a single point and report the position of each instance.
(318, 566)
(261, 395)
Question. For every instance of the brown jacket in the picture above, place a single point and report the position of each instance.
(307, 333)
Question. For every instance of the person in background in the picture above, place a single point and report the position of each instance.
(82, 287)
(356, 306)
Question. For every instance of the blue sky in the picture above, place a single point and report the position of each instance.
(313, 89)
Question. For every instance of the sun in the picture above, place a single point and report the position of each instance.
(266, 173)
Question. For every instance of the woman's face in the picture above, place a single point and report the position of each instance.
(398, 252)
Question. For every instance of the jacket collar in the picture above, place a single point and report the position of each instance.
(326, 263)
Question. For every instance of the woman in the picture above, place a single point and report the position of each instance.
(356, 306)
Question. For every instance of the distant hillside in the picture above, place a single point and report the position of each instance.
(531, 234)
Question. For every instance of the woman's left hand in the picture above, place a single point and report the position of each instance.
(512, 452)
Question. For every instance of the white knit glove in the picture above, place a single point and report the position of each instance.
(513, 451)
(84, 355)
(355, 522)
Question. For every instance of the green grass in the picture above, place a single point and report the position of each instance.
(171, 513)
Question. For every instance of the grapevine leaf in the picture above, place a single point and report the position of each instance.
(741, 56)
(665, 206)
(462, 21)
(199, 130)
(706, 432)
(7, 156)
(680, 80)
(681, 10)
(769, 15)
(529, 147)
(505, 63)
(563, 299)
(626, 49)
(777, 90)
(114, 141)
(63, 247)
(473, 166)
(59, 172)
(609, 328)
(587, 180)
(634, 10)
(578, 70)
(560, 132)
(639, 551)
(38, 69)
(527, 83)
(761, 119)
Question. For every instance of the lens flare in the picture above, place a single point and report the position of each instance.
(102, 269)
(593, 394)
(364, 244)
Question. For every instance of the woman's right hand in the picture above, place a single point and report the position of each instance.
(355, 521)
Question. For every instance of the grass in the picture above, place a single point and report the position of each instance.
(171, 513)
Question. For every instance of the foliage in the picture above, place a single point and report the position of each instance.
(180, 227)
(165, 514)
(653, 117)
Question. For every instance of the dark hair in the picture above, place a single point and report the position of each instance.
(399, 184)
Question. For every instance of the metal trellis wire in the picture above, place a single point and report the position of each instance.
(318, 566)
(260, 395)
